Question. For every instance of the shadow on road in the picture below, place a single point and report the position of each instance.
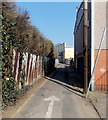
(67, 78)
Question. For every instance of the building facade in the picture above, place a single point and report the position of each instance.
(90, 23)
(60, 47)
(69, 52)
(100, 19)
(64, 52)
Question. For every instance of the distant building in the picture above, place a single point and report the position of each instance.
(61, 51)
(64, 52)
(69, 52)
(87, 36)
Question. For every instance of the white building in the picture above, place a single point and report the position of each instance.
(64, 52)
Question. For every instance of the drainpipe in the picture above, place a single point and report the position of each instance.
(92, 43)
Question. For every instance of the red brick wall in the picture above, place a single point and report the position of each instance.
(101, 71)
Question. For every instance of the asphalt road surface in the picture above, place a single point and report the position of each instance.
(53, 100)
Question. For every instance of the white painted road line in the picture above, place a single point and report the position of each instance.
(50, 107)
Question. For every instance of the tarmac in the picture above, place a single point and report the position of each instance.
(99, 100)
(56, 99)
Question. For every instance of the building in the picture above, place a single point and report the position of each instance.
(60, 47)
(64, 52)
(80, 31)
(99, 22)
(90, 22)
(69, 52)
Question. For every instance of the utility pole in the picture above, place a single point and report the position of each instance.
(86, 26)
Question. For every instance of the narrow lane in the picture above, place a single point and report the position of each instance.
(55, 101)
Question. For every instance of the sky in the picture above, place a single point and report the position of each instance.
(55, 20)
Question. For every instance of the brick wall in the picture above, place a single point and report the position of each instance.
(101, 71)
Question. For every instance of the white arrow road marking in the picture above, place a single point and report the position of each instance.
(50, 107)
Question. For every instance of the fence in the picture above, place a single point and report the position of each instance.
(27, 68)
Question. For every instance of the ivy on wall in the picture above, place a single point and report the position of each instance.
(18, 32)
(9, 87)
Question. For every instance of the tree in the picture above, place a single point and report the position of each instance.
(18, 33)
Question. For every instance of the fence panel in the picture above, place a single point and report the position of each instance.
(30, 70)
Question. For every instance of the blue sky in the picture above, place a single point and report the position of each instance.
(55, 20)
